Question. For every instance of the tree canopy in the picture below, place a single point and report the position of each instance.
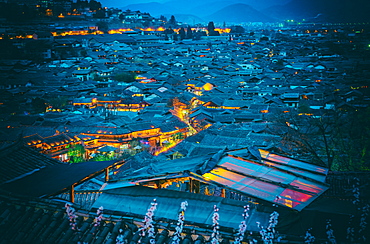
(182, 33)
(76, 153)
(172, 21)
(335, 139)
(189, 33)
(124, 76)
(58, 101)
(211, 29)
(237, 29)
(102, 26)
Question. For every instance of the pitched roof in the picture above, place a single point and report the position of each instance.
(141, 126)
(54, 179)
(17, 160)
(199, 210)
(249, 171)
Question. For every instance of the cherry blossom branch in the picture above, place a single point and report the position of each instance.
(148, 222)
(99, 218)
(268, 234)
(243, 226)
(215, 233)
(180, 223)
(71, 216)
(309, 238)
(330, 232)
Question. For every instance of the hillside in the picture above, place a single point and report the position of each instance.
(201, 9)
(319, 10)
(154, 8)
(239, 13)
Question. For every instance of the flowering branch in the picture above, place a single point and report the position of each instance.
(309, 238)
(330, 232)
(215, 218)
(180, 223)
(350, 230)
(99, 218)
(71, 216)
(268, 234)
(243, 226)
(120, 239)
(356, 191)
(148, 222)
(363, 223)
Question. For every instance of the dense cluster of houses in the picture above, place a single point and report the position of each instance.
(180, 87)
(208, 105)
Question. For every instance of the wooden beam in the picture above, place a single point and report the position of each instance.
(223, 192)
(72, 194)
(107, 174)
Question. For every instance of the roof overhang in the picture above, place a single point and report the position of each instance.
(56, 179)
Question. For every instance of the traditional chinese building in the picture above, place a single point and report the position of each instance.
(248, 174)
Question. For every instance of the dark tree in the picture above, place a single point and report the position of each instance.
(34, 50)
(189, 33)
(124, 77)
(58, 101)
(147, 23)
(102, 26)
(197, 35)
(8, 50)
(39, 105)
(163, 18)
(335, 139)
(95, 5)
(16, 12)
(100, 14)
(172, 21)
(182, 33)
(237, 29)
(211, 27)
(97, 77)
(168, 31)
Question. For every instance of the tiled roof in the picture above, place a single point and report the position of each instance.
(54, 179)
(17, 160)
(140, 126)
(46, 221)
(83, 199)
(58, 138)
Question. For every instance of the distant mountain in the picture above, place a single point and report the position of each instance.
(192, 11)
(323, 10)
(200, 8)
(185, 5)
(238, 13)
(203, 9)
(186, 18)
(210, 4)
(155, 9)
